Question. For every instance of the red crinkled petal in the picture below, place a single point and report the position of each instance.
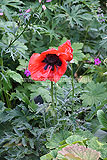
(40, 74)
(65, 50)
(33, 59)
(36, 67)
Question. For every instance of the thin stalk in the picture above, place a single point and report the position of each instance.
(79, 67)
(56, 98)
(56, 95)
(44, 120)
(1, 63)
(1, 81)
(72, 82)
(52, 95)
(53, 107)
(86, 35)
(2, 97)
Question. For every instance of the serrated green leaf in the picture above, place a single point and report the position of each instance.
(85, 79)
(77, 46)
(77, 52)
(75, 139)
(46, 157)
(57, 138)
(85, 134)
(63, 41)
(98, 146)
(32, 106)
(23, 65)
(94, 93)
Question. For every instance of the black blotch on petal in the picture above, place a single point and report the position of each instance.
(52, 68)
(45, 68)
(45, 60)
(59, 63)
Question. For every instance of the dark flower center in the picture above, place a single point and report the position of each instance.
(51, 60)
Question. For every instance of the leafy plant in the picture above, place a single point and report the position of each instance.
(77, 152)
(90, 97)
(81, 145)
(102, 118)
(29, 129)
(7, 4)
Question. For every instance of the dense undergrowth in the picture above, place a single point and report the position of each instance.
(30, 130)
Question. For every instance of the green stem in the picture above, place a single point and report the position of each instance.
(86, 35)
(52, 95)
(53, 107)
(72, 82)
(2, 97)
(1, 63)
(79, 67)
(44, 120)
(56, 95)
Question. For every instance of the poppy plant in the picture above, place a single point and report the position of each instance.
(50, 64)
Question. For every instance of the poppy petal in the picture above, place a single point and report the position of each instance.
(33, 60)
(66, 50)
(40, 74)
(36, 67)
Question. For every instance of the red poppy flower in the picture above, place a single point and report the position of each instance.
(50, 64)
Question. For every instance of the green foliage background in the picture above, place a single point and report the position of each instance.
(28, 130)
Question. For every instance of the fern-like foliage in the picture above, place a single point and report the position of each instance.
(74, 15)
(7, 4)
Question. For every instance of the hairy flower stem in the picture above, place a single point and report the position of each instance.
(53, 105)
(86, 36)
(44, 120)
(2, 75)
(72, 82)
(56, 95)
(52, 95)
